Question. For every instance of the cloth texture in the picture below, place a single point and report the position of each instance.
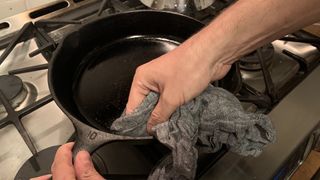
(204, 124)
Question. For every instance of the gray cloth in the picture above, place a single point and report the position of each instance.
(213, 118)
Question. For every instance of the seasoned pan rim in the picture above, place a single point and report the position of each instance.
(63, 40)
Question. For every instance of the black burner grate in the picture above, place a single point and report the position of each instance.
(14, 117)
(40, 31)
(251, 61)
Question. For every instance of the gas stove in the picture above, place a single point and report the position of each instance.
(31, 124)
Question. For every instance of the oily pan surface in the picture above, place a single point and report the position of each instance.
(102, 81)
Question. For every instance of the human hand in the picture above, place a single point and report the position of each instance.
(177, 76)
(63, 169)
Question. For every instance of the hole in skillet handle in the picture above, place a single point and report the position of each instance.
(90, 139)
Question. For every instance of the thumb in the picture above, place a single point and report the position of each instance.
(161, 113)
(137, 93)
(84, 167)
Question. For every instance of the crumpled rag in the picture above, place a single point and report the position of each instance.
(204, 124)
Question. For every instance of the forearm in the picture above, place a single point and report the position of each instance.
(249, 24)
(182, 74)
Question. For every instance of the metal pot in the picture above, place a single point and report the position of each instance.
(180, 6)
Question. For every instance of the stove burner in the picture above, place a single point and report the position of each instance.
(37, 165)
(13, 89)
(251, 61)
(112, 153)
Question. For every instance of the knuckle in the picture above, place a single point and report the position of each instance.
(139, 70)
(88, 174)
(156, 118)
(138, 76)
(170, 102)
(139, 83)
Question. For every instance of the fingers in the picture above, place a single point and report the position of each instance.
(84, 167)
(62, 167)
(44, 177)
(161, 112)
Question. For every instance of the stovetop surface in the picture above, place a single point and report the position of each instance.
(48, 126)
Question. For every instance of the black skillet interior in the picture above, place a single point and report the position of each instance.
(92, 70)
(103, 80)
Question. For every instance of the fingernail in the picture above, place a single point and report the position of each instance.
(47, 176)
(84, 156)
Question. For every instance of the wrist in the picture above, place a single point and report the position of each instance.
(199, 55)
(208, 48)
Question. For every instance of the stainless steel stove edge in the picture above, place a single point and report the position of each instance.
(15, 22)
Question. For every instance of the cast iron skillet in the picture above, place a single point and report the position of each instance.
(91, 71)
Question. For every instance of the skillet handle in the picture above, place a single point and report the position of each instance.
(87, 138)
(90, 139)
